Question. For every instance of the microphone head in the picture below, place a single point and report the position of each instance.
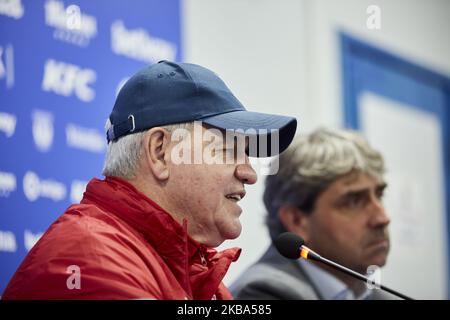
(288, 245)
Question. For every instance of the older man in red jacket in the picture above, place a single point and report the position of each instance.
(149, 229)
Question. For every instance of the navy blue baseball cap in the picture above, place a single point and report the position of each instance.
(169, 93)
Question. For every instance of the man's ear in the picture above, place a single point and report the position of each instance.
(157, 148)
(295, 220)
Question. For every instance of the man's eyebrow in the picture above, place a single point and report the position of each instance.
(360, 192)
(355, 193)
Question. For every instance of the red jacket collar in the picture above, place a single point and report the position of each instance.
(167, 236)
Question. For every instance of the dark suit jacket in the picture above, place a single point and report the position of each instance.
(274, 277)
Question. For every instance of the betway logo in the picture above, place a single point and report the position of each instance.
(66, 79)
(8, 183)
(87, 139)
(8, 123)
(7, 241)
(71, 25)
(33, 187)
(137, 44)
(11, 8)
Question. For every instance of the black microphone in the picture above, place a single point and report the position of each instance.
(292, 247)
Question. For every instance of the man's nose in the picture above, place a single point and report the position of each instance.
(378, 218)
(245, 173)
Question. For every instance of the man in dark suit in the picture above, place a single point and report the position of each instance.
(328, 190)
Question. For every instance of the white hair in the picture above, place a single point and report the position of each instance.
(123, 155)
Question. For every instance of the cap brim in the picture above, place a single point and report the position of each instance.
(265, 127)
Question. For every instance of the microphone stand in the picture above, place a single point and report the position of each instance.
(307, 253)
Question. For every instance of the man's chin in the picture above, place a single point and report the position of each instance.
(233, 232)
(379, 261)
(227, 234)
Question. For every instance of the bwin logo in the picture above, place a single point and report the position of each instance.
(42, 130)
(66, 79)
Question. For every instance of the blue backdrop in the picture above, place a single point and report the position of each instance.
(61, 64)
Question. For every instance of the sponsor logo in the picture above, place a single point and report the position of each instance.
(87, 139)
(42, 129)
(66, 79)
(12, 8)
(33, 188)
(71, 24)
(77, 189)
(138, 44)
(7, 241)
(8, 183)
(8, 123)
(31, 238)
(7, 65)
